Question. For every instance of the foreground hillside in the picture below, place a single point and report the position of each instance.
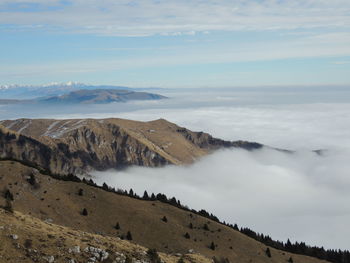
(24, 238)
(81, 145)
(81, 207)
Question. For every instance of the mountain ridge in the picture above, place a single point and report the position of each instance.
(88, 96)
(82, 145)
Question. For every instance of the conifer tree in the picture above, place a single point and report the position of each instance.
(212, 246)
(84, 212)
(128, 235)
(268, 252)
(145, 196)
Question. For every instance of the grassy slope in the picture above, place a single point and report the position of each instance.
(38, 240)
(59, 201)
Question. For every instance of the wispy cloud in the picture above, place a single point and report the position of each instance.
(314, 46)
(341, 62)
(148, 17)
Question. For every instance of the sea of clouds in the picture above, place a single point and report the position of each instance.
(301, 196)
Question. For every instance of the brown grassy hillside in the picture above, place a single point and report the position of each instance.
(62, 203)
(24, 238)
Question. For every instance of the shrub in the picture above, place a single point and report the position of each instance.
(221, 260)
(32, 181)
(128, 236)
(28, 243)
(128, 259)
(153, 255)
(164, 219)
(84, 212)
(212, 246)
(268, 252)
(8, 206)
(81, 192)
(187, 235)
(8, 195)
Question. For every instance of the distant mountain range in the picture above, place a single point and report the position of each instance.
(53, 89)
(88, 96)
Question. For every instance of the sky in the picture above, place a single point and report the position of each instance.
(184, 43)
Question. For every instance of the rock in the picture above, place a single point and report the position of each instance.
(191, 251)
(75, 249)
(71, 261)
(97, 253)
(92, 260)
(50, 259)
(14, 237)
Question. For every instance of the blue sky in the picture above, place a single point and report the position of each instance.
(175, 43)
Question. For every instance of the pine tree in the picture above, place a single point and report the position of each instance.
(268, 252)
(145, 196)
(105, 187)
(117, 226)
(153, 197)
(290, 260)
(187, 235)
(84, 212)
(164, 219)
(212, 246)
(190, 226)
(8, 195)
(128, 236)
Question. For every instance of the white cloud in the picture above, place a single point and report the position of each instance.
(147, 17)
(341, 62)
(303, 196)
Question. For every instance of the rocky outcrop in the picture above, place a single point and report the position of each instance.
(79, 146)
(206, 141)
(78, 153)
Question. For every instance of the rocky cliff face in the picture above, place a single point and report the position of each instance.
(79, 146)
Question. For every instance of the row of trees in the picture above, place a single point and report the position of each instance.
(336, 256)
